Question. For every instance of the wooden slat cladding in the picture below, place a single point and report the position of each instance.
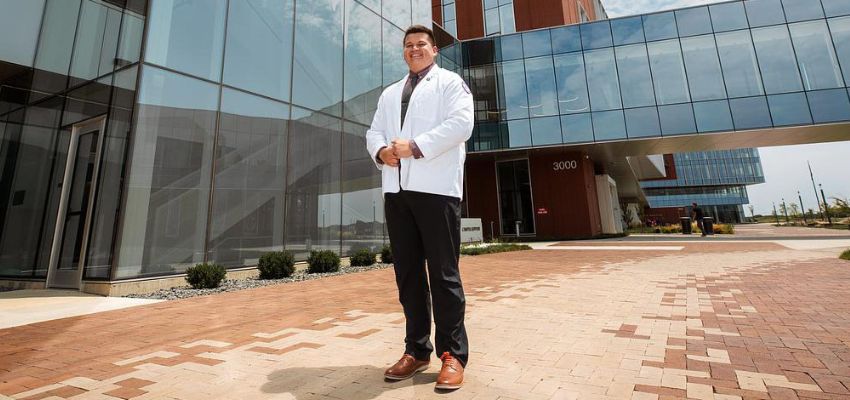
(535, 14)
(470, 19)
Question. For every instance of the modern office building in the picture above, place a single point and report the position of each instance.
(141, 137)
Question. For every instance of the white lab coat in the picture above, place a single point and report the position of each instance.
(439, 118)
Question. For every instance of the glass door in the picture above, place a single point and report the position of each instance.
(78, 187)
(516, 208)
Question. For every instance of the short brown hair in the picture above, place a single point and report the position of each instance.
(419, 29)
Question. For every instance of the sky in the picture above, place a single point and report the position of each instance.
(785, 168)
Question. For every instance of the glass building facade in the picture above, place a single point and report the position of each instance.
(733, 66)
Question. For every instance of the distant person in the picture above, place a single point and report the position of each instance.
(698, 215)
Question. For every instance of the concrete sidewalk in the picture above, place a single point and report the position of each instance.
(22, 307)
(708, 321)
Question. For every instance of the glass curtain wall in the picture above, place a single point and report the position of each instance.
(731, 66)
(250, 135)
(499, 17)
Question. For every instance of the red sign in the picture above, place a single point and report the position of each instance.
(542, 211)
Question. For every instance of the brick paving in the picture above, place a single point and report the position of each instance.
(712, 321)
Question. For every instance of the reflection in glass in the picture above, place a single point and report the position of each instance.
(829, 105)
(259, 47)
(57, 37)
(546, 130)
(165, 217)
(362, 199)
(511, 47)
(394, 66)
(317, 72)
(750, 112)
(566, 39)
(642, 122)
(491, 22)
(713, 116)
(19, 25)
(536, 43)
(836, 7)
(248, 199)
(576, 128)
(512, 79)
(728, 16)
(635, 79)
(668, 72)
(740, 68)
(603, 84)
(542, 93)
(572, 84)
(840, 28)
(764, 12)
(789, 109)
(506, 18)
(130, 42)
(677, 119)
(778, 68)
(704, 75)
(363, 63)
(627, 30)
(659, 26)
(421, 12)
(96, 41)
(187, 36)
(815, 55)
(802, 10)
(609, 125)
(595, 35)
(519, 134)
(693, 21)
(397, 11)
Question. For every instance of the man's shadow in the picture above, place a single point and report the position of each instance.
(360, 382)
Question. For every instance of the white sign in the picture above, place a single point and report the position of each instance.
(564, 165)
(471, 230)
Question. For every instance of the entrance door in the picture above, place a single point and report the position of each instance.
(75, 205)
(516, 208)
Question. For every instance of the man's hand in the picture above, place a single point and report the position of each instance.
(402, 148)
(388, 156)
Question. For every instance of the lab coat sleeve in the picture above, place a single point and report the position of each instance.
(375, 136)
(456, 128)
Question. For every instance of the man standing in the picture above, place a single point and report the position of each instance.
(418, 140)
(698, 216)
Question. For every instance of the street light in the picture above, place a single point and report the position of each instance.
(825, 205)
(802, 208)
(785, 211)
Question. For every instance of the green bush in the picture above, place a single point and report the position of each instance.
(845, 255)
(497, 248)
(362, 258)
(322, 261)
(386, 255)
(276, 265)
(724, 229)
(205, 276)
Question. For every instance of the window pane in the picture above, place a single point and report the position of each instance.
(836, 7)
(96, 41)
(491, 22)
(635, 79)
(728, 16)
(187, 36)
(317, 76)
(750, 112)
(829, 105)
(602, 79)
(789, 109)
(595, 35)
(363, 63)
(19, 25)
(627, 30)
(840, 28)
(130, 42)
(421, 12)
(165, 217)
(609, 125)
(511, 47)
(576, 128)
(512, 78)
(572, 84)
(536, 43)
(802, 10)
(488, 4)
(642, 122)
(362, 199)
(394, 67)
(448, 11)
(816, 56)
(668, 71)
(704, 76)
(776, 59)
(248, 200)
(396, 11)
(542, 92)
(764, 12)
(259, 47)
(693, 21)
(506, 17)
(546, 130)
(677, 119)
(566, 39)
(57, 38)
(659, 26)
(713, 116)
(740, 69)
(518, 134)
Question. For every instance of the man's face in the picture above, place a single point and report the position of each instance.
(418, 51)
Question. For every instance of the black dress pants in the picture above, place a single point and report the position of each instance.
(426, 227)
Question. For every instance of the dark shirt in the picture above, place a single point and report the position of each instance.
(698, 213)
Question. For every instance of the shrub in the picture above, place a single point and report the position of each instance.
(724, 229)
(387, 255)
(845, 255)
(498, 248)
(276, 265)
(205, 276)
(322, 261)
(362, 258)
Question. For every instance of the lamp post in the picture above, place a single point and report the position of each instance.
(811, 175)
(785, 211)
(825, 205)
(802, 208)
(775, 215)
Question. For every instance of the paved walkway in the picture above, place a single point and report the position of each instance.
(22, 307)
(712, 320)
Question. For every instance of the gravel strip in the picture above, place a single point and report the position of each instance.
(232, 285)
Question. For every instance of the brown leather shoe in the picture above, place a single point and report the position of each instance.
(451, 375)
(405, 368)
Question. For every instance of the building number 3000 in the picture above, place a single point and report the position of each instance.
(564, 165)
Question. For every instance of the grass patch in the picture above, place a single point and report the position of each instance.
(496, 248)
(845, 255)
